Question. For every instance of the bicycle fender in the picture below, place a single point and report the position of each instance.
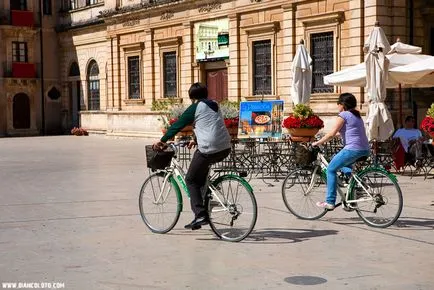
(233, 176)
(177, 189)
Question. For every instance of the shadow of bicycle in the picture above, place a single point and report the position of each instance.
(410, 223)
(282, 236)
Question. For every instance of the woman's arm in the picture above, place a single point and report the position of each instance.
(338, 125)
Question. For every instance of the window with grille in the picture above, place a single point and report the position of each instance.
(134, 77)
(321, 45)
(73, 4)
(19, 51)
(47, 7)
(18, 4)
(262, 67)
(169, 67)
(91, 2)
(93, 86)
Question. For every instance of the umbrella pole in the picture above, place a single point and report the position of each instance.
(400, 105)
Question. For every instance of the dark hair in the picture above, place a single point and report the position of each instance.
(349, 102)
(198, 91)
(409, 118)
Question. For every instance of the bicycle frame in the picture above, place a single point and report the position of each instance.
(322, 163)
(178, 173)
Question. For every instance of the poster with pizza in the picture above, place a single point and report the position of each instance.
(260, 119)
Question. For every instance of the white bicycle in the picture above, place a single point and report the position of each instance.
(373, 193)
(230, 200)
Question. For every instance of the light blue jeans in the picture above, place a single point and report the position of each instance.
(343, 159)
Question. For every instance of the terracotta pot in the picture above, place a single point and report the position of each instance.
(303, 132)
(233, 131)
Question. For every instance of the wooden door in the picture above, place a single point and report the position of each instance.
(217, 83)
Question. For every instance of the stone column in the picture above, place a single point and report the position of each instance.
(284, 60)
(234, 81)
(186, 61)
(149, 69)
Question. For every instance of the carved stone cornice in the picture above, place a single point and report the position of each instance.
(208, 7)
(167, 15)
(329, 17)
(261, 27)
(175, 40)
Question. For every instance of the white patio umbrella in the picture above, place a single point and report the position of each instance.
(379, 121)
(417, 74)
(399, 55)
(301, 75)
(355, 76)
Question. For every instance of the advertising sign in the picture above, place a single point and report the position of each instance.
(260, 119)
(211, 39)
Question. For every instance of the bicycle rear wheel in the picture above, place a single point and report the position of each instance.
(160, 203)
(386, 205)
(233, 211)
(300, 198)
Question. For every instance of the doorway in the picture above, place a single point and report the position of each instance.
(74, 103)
(217, 83)
(21, 111)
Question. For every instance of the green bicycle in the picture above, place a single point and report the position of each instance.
(230, 200)
(373, 193)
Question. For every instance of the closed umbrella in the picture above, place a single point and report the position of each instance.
(379, 121)
(301, 75)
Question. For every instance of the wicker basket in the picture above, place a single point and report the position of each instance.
(303, 155)
(158, 159)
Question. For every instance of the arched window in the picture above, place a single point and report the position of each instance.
(93, 86)
(74, 70)
(21, 111)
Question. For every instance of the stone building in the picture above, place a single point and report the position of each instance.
(106, 62)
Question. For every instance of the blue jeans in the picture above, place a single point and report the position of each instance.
(343, 159)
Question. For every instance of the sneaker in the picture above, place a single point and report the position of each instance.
(325, 205)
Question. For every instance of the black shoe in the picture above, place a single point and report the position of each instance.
(197, 223)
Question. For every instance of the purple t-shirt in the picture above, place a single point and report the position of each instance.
(353, 132)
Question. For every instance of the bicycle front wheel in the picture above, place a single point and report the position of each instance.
(232, 210)
(160, 202)
(386, 204)
(301, 190)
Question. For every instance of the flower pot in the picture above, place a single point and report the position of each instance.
(233, 131)
(302, 134)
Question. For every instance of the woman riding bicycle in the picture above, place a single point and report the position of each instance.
(351, 127)
(214, 145)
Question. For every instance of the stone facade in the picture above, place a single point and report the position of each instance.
(114, 97)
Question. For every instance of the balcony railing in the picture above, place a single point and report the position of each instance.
(21, 70)
(75, 5)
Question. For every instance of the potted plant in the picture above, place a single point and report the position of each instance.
(230, 112)
(302, 124)
(427, 124)
(79, 131)
(170, 113)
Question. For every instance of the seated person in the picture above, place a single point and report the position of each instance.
(408, 135)
(411, 140)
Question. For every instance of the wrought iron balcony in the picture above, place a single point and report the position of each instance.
(21, 70)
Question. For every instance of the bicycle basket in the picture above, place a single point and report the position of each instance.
(158, 159)
(303, 155)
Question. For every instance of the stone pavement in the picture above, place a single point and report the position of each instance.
(69, 214)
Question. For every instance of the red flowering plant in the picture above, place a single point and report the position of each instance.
(230, 112)
(427, 124)
(302, 117)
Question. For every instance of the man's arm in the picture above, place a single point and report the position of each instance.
(187, 118)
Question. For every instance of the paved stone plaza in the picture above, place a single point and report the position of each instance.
(69, 214)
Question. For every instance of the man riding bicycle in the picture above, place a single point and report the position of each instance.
(213, 145)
